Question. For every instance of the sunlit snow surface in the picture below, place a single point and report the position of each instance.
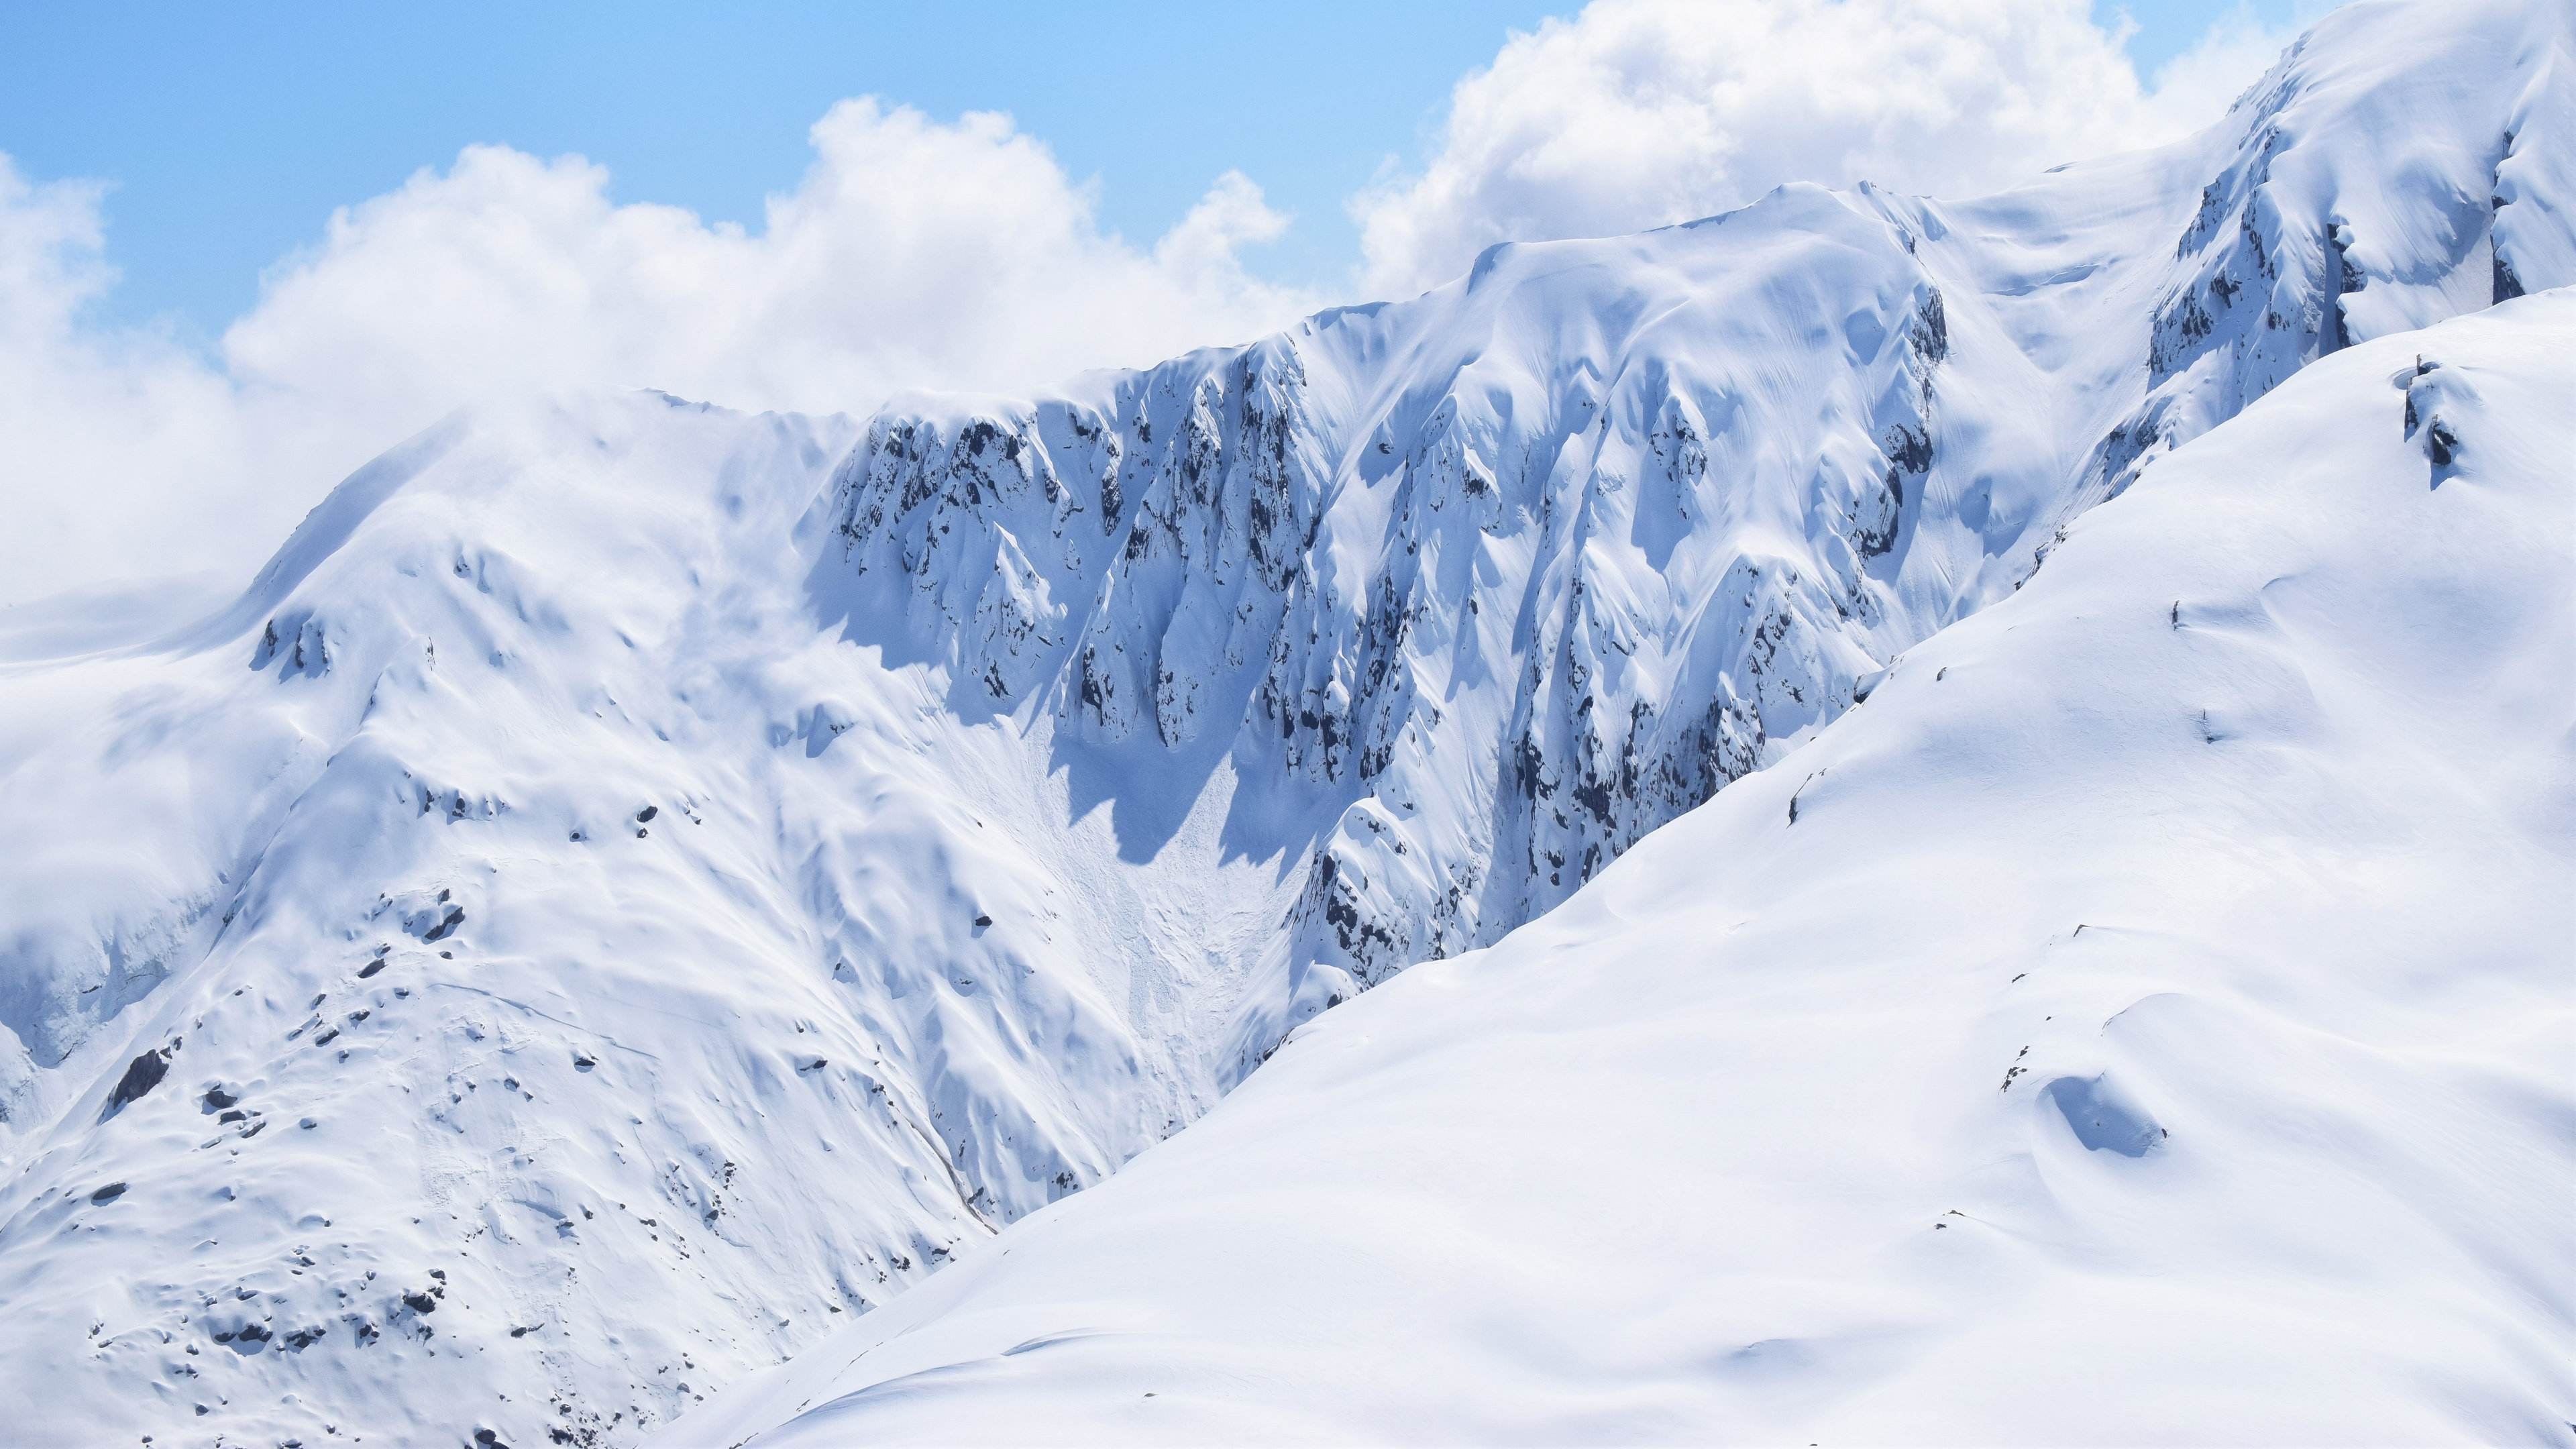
(632, 886)
(2152, 1028)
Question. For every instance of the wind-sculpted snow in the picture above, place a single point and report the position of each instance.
(1522, 570)
(2143, 1020)
(631, 886)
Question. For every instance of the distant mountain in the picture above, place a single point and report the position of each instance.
(631, 887)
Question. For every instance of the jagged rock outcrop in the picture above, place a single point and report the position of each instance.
(1521, 570)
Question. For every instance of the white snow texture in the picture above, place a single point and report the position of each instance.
(1961, 814)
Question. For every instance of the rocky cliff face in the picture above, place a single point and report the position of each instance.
(1521, 570)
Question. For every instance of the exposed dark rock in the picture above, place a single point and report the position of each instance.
(141, 1075)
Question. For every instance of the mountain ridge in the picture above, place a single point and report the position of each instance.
(1584, 546)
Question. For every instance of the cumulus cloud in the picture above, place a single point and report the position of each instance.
(99, 428)
(913, 253)
(1639, 113)
(921, 253)
(2196, 86)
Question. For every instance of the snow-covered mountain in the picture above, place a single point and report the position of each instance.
(2145, 1020)
(1513, 574)
(631, 886)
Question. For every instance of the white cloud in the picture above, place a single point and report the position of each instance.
(917, 253)
(912, 254)
(103, 431)
(1230, 216)
(1638, 113)
(2198, 85)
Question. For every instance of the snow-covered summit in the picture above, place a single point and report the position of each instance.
(632, 886)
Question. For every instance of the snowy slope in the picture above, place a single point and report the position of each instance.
(2145, 1020)
(799, 848)
(517, 958)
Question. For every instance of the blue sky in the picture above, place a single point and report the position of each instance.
(229, 133)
